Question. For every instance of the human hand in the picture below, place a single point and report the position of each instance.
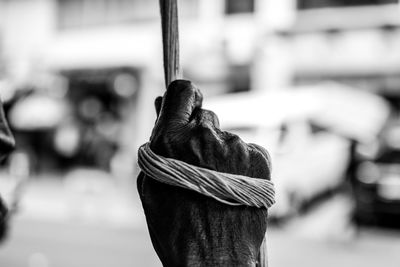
(189, 229)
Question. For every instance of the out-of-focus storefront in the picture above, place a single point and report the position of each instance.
(94, 46)
(101, 61)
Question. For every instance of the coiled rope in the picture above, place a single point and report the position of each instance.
(230, 189)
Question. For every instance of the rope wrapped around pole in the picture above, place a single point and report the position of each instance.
(230, 189)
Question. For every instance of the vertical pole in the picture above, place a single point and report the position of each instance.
(170, 36)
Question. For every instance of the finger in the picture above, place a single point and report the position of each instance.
(179, 102)
(208, 118)
(157, 104)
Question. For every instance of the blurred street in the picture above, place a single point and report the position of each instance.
(316, 83)
(41, 237)
(38, 244)
(370, 248)
(45, 244)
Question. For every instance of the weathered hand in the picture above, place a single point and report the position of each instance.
(187, 228)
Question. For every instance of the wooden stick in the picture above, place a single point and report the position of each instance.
(170, 36)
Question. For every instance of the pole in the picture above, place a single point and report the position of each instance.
(170, 37)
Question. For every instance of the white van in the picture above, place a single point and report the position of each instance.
(308, 132)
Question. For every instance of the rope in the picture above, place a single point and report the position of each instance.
(230, 189)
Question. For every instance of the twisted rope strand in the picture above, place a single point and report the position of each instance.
(230, 189)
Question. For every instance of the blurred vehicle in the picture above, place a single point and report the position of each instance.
(76, 123)
(309, 132)
(377, 181)
(34, 116)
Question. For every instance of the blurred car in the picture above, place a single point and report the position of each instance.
(307, 163)
(377, 181)
(308, 131)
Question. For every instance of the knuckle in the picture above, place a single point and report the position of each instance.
(179, 86)
(262, 151)
(208, 116)
(232, 139)
(207, 119)
(262, 160)
(184, 88)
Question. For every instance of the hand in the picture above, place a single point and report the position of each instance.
(187, 228)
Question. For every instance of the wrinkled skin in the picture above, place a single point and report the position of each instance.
(6, 146)
(187, 228)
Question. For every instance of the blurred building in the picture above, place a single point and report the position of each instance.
(109, 51)
(227, 45)
(350, 41)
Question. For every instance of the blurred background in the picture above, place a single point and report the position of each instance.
(316, 82)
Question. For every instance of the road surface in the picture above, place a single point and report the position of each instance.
(68, 244)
